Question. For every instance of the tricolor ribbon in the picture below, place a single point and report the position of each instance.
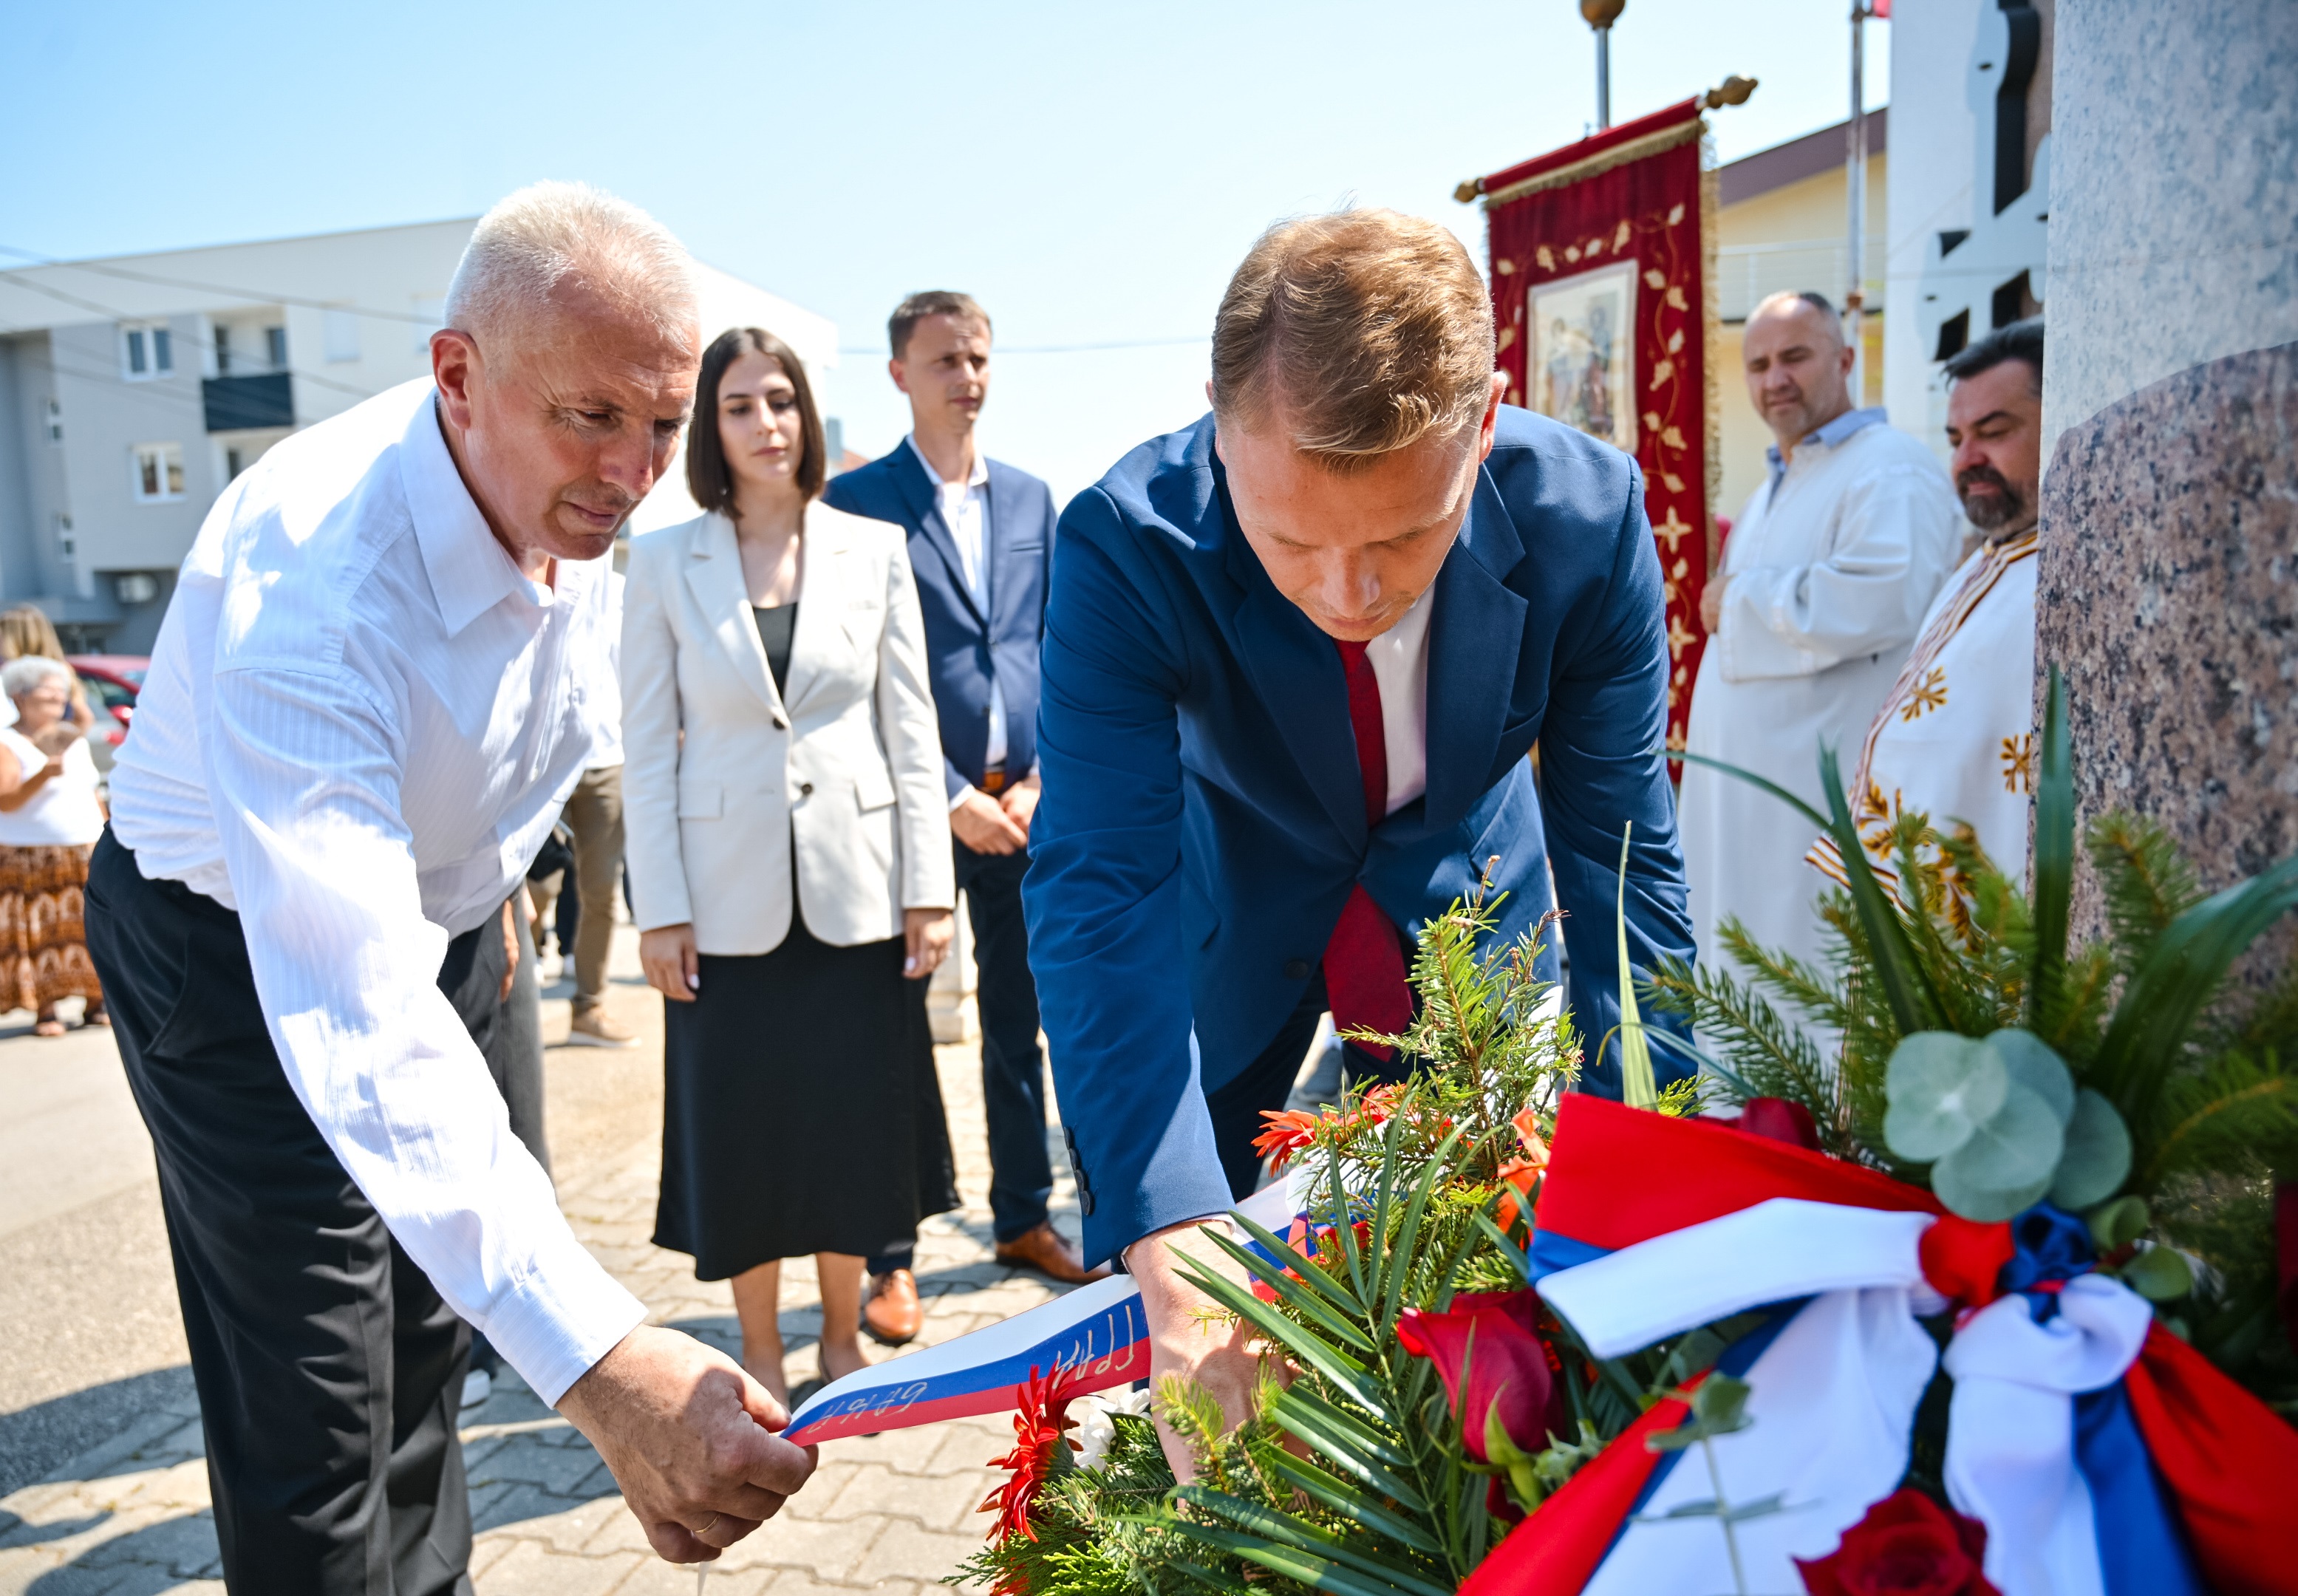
(2104, 1456)
(1096, 1336)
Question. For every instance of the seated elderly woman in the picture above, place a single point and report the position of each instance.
(50, 818)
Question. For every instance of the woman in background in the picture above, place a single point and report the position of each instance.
(787, 830)
(49, 819)
(26, 632)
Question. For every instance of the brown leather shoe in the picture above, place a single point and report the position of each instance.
(1043, 1251)
(891, 1313)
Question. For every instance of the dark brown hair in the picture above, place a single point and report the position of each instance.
(1361, 333)
(933, 301)
(706, 475)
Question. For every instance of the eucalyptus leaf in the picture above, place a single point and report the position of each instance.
(1942, 1087)
(2007, 1163)
(1983, 1204)
(2159, 1275)
(2119, 1223)
(2097, 1158)
(2033, 1065)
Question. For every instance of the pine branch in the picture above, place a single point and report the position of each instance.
(2146, 880)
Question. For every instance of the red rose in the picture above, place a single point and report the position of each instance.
(1494, 1337)
(1907, 1546)
(1778, 1119)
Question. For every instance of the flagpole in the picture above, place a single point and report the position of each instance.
(1855, 296)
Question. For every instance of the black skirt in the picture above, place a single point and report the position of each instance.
(801, 1112)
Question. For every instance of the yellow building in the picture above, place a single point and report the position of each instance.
(1780, 224)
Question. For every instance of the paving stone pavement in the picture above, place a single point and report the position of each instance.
(892, 1513)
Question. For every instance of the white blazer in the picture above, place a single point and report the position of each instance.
(720, 769)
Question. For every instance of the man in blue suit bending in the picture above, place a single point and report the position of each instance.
(1295, 658)
(981, 541)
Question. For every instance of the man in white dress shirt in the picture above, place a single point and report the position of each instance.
(1955, 737)
(1825, 579)
(368, 700)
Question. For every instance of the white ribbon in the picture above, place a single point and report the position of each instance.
(1838, 1393)
(2010, 1429)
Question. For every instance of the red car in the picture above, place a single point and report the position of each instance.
(112, 681)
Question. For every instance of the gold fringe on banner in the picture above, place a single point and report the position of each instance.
(1635, 149)
(1711, 316)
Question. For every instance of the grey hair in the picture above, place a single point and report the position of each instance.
(549, 234)
(31, 673)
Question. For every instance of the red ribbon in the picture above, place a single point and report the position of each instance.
(1617, 1176)
(2230, 1464)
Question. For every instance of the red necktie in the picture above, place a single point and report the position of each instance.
(1364, 962)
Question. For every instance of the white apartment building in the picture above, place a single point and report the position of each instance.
(133, 389)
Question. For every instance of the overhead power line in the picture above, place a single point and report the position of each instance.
(1053, 349)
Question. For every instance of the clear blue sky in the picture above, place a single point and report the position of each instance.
(1090, 171)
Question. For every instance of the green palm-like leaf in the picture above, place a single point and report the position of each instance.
(1284, 1529)
(2054, 859)
(1901, 977)
(1408, 1236)
(1349, 1441)
(1307, 1293)
(1638, 1089)
(2170, 988)
(1310, 1349)
(1327, 1573)
(1343, 1499)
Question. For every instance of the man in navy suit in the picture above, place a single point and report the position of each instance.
(1295, 658)
(982, 542)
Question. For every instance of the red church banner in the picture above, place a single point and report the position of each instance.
(1602, 269)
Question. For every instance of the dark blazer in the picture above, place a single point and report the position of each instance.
(966, 649)
(1202, 821)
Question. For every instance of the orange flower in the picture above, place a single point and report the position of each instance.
(1527, 1131)
(1043, 1403)
(1523, 1173)
(1287, 1131)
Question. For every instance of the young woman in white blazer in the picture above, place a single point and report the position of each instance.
(788, 839)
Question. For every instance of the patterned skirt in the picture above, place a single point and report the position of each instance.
(43, 946)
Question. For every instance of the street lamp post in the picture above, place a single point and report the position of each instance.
(1599, 15)
(1854, 184)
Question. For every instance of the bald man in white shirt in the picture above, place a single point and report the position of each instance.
(366, 707)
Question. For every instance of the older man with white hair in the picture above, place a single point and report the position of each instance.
(1825, 580)
(366, 707)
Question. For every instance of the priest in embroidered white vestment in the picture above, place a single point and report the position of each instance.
(1955, 737)
(1825, 580)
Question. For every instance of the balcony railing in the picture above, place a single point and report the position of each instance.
(1747, 274)
(237, 403)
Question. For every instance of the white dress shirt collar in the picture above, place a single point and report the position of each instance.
(470, 570)
(978, 477)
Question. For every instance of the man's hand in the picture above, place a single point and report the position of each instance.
(927, 934)
(982, 825)
(688, 1436)
(510, 940)
(1020, 802)
(1192, 1335)
(672, 966)
(1711, 604)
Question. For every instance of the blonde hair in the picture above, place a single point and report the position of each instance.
(549, 234)
(1363, 332)
(26, 631)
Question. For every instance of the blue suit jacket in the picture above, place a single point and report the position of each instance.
(1203, 823)
(966, 648)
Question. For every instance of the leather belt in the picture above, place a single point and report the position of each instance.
(993, 781)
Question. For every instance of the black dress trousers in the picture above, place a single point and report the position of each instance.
(328, 1368)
